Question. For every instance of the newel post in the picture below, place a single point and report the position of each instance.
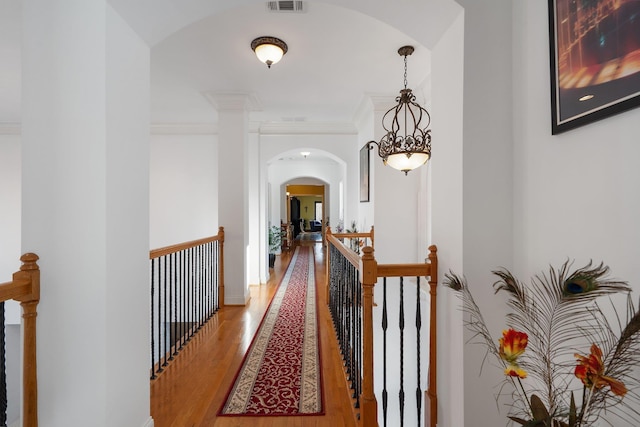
(29, 271)
(221, 268)
(368, 278)
(432, 391)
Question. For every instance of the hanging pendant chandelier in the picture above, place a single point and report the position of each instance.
(406, 144)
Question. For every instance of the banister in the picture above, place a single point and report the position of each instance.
(369, 272)
(187, 289)
(12, 290)
(25, 288)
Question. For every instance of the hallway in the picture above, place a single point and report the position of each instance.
(192, 389)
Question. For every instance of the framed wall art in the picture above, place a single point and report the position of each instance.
(595, 60)
(364, 173)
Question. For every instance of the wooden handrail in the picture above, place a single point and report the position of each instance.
(25, 288)
(156, 253)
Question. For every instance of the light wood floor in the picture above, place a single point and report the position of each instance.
(190, 392)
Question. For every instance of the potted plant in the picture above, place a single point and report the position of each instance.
(275, 240)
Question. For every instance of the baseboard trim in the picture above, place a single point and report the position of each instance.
(149, 423)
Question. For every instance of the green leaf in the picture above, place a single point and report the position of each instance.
(540, 413)
(572, 412)
(519, 421)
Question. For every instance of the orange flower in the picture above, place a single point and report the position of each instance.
(512, 345)
(515, 371)
(590, 370)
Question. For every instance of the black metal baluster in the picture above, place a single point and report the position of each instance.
(183, 274)
(160, 261)
(171, 297)
(3, 370)
(385, 324)
(351, 333)
(209, 280)
(190, 289)
(153, 285)
(358, 310)
(418, 328)
(401, 326)
(164, 324)
(202, 301)
(216, 282)
(198, 272)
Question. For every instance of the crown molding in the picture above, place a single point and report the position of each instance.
(308, 128)
(10, 128)
(267, 128)
(184, 129)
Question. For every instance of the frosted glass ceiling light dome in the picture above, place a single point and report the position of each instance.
(269, 49)
(406, 144)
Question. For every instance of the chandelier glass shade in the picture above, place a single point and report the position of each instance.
(406, 143)
(269, 49)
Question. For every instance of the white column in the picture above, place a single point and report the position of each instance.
(85, 129)
(255, 214)
(233, 182)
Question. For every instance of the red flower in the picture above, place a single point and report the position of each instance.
(512, 345)
(590, 370)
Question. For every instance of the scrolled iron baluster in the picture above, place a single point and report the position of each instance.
(418, 329)
(385, 325)
(3, 370)
(401, 327)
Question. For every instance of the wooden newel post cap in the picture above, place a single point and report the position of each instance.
(29, 262)
(368, 267)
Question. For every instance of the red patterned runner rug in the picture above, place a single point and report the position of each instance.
(281, 373)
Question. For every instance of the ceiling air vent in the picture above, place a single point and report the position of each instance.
(286, 6)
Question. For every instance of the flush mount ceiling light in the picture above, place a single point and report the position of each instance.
(269, 49)
(407, 142)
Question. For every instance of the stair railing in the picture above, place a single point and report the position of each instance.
(187, 289)
(25, 288)
(351, 280)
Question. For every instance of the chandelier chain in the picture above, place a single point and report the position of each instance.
(405, 71)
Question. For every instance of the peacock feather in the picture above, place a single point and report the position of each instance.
(561, 312)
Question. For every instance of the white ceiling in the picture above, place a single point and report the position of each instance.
(336, 57)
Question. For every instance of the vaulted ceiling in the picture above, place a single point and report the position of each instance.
(336, 57)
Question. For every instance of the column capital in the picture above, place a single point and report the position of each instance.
(234, 101)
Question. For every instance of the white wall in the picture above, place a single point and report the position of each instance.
(445, 206)
(487, 181)
(10, 200)
(575, 194)
(184, 188)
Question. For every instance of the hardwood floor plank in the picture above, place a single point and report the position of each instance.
(191, 390)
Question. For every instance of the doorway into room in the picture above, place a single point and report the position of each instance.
(305, 211)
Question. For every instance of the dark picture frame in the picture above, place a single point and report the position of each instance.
(595, 60)
(364, 173)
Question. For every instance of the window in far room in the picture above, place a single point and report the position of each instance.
(318, 211)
